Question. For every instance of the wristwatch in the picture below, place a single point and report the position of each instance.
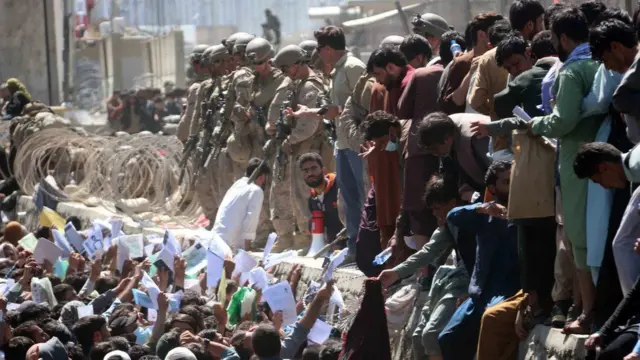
(206, 342)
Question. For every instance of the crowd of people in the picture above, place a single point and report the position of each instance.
(494, 167)
(426, 134)
(143, 109)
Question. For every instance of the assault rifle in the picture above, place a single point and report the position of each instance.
(209, 124)
(220, 135)
(188, 149)
(282, 131)
(261, 117)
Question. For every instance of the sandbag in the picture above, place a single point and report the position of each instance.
(532, 185)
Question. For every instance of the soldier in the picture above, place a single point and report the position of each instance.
(308, 46)
(250, 118)
(207, 186)
(431, 26)
(237, 99)
(185, 122)
(303, 87)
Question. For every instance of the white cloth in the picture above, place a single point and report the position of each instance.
(239, 213)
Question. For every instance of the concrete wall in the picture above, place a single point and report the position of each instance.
(121, 59)
(213, 35)
(164, 57)
(23, 46)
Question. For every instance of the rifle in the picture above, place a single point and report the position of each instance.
(209, 124)
(282, 131)
(189, 147)
(219, 137)
(261, 118)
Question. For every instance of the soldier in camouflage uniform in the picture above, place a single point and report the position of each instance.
(302, 87)
(185, 121)
(207, 186)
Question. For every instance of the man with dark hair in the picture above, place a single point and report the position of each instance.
(331, 350)
(31, 330)
(592, 10)
(495, 275)
(237, 218)
(323, 202)
(381, 133)
(455, 88)
(266, 342)
(614, 43)
(90, 330)
(526, 17)
(490, 78)
(440, 197)
(604, 164)
(391, 69)
(416, 50)
(445, 53)
(451, 136)
(17, 347)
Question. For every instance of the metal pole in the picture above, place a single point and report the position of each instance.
(403, 18)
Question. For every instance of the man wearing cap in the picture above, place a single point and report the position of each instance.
(249, 115)
(431, 26)
(192, 109)
(206, 186)
(347, 69)
(302, 88)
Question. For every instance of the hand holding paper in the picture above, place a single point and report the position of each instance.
(46, 250)
(280, 298)
(271, 240)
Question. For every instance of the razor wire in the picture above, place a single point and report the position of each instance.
(110, 169)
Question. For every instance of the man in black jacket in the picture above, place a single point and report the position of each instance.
(323, 202)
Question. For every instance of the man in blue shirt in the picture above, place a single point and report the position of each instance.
(496, 271)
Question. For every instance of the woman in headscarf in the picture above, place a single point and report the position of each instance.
(19, 98)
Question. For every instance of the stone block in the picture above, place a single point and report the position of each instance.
(545, 343)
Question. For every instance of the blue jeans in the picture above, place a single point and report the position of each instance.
(459, 339)
(349, 174)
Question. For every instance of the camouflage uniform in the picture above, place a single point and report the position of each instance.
(307, 135)
(184, 125)
(207, 184)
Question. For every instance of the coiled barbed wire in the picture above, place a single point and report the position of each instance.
(110, 169)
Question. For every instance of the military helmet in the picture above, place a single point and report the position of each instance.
(430, 24)
(231, 41)
(259, 49)
(308, 46)
(392, 40)
(215, 53)
(196, 53)
(288, 55)
(241, 42)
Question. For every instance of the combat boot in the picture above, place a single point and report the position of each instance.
(283, 243)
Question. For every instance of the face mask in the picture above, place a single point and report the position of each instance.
(391, 146)
(142, 335)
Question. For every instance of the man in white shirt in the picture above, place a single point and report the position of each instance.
(239, 212)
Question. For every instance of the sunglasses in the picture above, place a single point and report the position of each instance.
(260, 62)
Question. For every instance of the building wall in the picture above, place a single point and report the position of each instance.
(164, 57)
(23, 46)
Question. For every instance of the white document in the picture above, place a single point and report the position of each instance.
(28, 242)
(336, 298)
(61, 241)
(167, 257)
(7, 286)
(320, 332)
(271, 240)
(85, 311)
(116, 228)
(46, 250)
(93, 245)
(42, 291)
(75, 239)
(244, 263)
(149, 250)
(280, 298)
(215, 267)
(154, 239)
(196, 258)
(152, 315)
(123, 254)
(152, 288)
(258, 277)
(135, 243)
(276, 259)
(335, 261)
(171, 243)
(520, 113)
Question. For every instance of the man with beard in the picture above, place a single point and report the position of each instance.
(495, 274)
(325, 194)
(239, 213)
(526, 17)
